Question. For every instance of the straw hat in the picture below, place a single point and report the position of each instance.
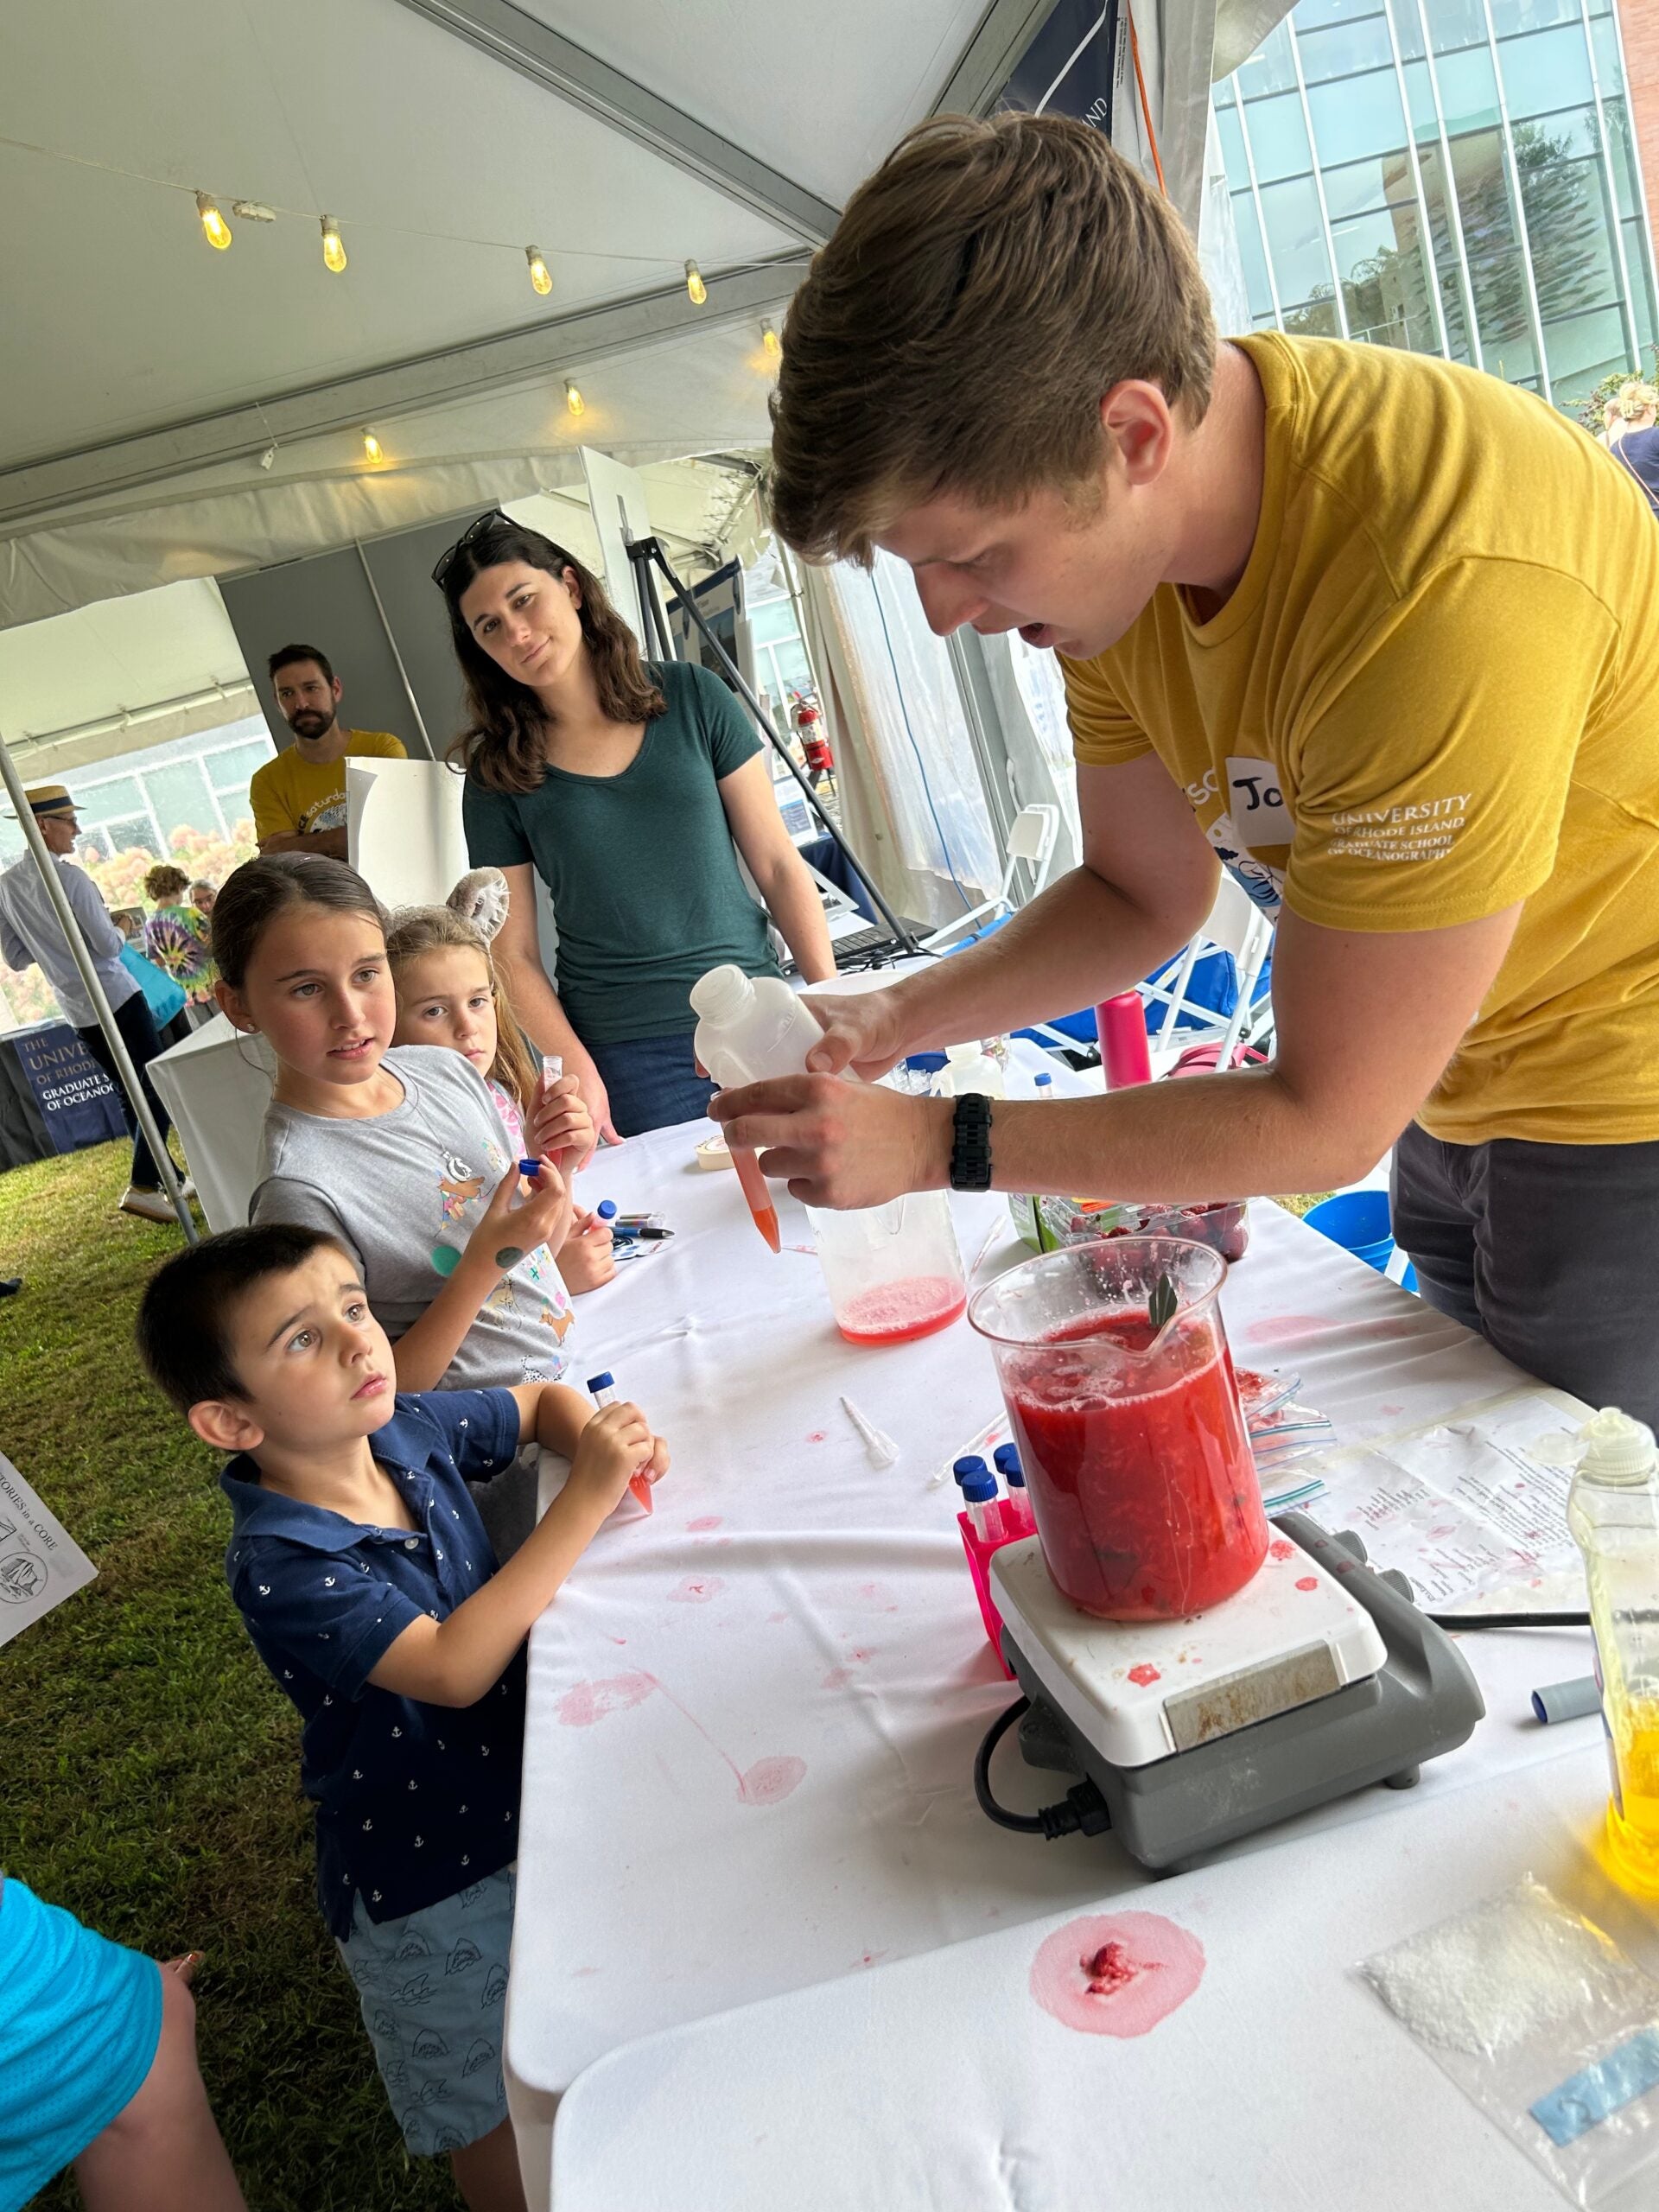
(47, 799)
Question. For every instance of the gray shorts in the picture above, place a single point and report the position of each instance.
(1546, 1250)
(433, 1992)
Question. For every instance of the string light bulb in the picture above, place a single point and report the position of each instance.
(772, 343)
(215, 229)
(333, 247)
(695, 285)
(541, 276)
(372, 450)
(572, 398)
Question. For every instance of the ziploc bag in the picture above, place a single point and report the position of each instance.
(1544, 2024)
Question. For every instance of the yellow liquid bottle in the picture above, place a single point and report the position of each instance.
(1613, 1512)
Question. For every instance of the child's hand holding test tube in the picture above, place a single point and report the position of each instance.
(558, 1126)
(601, 1388)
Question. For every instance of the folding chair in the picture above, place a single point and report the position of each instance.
(1235, 925)
(1032, 838)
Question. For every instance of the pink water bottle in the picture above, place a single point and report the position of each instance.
(1124, 1053)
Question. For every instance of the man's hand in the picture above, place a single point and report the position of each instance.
(839, 1144)
(863, 1032)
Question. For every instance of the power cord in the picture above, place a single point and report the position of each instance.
(1082, 1809)
(1457, 1623)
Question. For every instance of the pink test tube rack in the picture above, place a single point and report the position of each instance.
(979, 1549)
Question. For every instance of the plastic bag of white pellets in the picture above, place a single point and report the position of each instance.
(1543, 2022)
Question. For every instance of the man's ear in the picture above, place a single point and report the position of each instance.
(226, 1425)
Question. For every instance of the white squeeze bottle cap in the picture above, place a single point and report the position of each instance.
(721, 995)
(1617, 1449)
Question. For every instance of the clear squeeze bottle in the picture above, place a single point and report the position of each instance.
(750, 1028)
(1613, 1512)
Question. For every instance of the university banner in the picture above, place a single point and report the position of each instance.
(76, 1098)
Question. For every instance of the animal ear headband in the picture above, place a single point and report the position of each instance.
(481, 899)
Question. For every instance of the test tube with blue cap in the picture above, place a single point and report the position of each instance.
(979, 1498)
(1016, 1511)
(601, 1388)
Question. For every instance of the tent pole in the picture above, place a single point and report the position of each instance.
(89, 976)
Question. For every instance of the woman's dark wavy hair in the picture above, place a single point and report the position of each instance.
(502, 745)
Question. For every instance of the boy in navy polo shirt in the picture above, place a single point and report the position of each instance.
(369, 1588)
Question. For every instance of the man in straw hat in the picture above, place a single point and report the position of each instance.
(31, 934)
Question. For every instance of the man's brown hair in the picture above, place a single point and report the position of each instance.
(983, 291)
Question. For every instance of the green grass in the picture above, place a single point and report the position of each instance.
(152, 1767)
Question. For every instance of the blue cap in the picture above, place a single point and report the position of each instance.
(529, 1166)
(606, 1209)
(1007, 1465)
(1043, 1082)
(926, 1062)
(978, 1490)
(965, 1469)
(606, 1382)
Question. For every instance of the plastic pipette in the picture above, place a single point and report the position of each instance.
(601, 1388)
(759, 1197)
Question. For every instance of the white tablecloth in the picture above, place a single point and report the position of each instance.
(1281, 2083)
(753, 1717)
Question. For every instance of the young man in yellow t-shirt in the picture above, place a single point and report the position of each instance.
(299, 798)
(1377, 634)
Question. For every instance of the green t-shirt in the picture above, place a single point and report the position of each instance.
(640, 868)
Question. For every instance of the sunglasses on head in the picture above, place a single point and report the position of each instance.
(473, 531)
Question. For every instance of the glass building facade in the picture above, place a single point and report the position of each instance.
(1506, 226)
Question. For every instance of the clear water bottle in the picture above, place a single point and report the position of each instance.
(1613, 1512)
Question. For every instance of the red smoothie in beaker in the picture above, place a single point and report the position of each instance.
(1146, 1494)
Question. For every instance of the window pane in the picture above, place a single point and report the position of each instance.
(1361, 188)
(1496, 267)
(1313, 319)
(1583, 349)
(1408, 28)
(1232, 147)
(1635, 255)
(1256, 288)
(1345, 49)
(1360, 115)
(1314, 15)
(1604, 46)
(1509, 17)
(773, 620)
(229, 772)
(1296, 238)
(1547, 70)
(1569, 227)
(1278, 138)
(1221, 94)
(178, 794)
(1385, 285)
(1270, 69)
(1468, 90)
(1420, 93)
(1617, 115)
(1453, 24)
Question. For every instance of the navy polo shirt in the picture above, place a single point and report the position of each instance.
(414, 1801)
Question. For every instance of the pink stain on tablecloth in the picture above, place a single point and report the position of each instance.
(703, 1522)
(1286, 1331)
(696, 1590)
(1281, 1548)
(1308, 1582)
(819, 1436)
(1117, 1974)
(769, 1781)
(587, 1702)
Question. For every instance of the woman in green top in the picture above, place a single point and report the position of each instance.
(630, 789)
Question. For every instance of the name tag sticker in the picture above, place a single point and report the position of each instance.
(1256, 801)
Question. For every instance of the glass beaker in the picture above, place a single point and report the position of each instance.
(894, 1272)
(1134, 1447)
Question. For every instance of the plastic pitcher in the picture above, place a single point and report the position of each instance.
(1135, 1451)
(894, 1272)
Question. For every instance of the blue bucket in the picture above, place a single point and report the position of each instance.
(1358, 1221)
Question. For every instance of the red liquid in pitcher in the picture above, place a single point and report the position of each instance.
(897, 1313)
(1147, 1504)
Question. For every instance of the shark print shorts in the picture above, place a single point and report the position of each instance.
(433, 1992)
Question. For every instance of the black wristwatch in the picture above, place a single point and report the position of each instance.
(970, 1143)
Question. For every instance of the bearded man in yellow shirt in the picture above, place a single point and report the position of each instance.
(1378, 634)
(299, 798)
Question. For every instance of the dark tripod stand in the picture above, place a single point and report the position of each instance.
(643, 554)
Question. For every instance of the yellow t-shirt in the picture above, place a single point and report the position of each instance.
(293, 796)
(1435, 692)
